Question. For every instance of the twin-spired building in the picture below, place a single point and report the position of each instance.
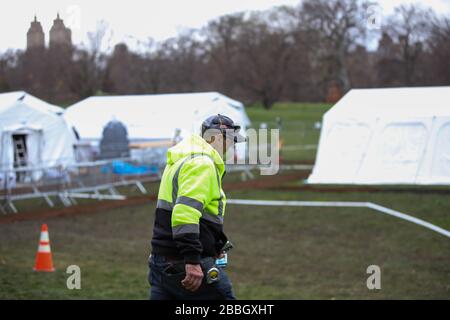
(59, 34)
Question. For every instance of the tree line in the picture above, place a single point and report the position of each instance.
(315, 51)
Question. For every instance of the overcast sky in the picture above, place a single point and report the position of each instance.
(136, 20)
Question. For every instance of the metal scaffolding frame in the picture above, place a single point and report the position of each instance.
(87, 180)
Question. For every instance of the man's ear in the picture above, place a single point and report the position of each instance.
(210, 139)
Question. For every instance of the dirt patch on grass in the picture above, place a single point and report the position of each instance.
(87, 208)
(105, 205)
(345, 189)
(266, 181)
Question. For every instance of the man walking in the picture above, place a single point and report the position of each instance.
(188, 230)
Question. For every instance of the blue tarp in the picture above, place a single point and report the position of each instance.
(121, 167)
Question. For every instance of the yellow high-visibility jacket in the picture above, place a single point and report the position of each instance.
(191, 202)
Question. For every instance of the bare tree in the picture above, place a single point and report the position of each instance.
(7, 67)
(151, 77)
(251, 54)
(89, 62)
(221, 47)
(185, 55)
(334, 27)
(264, 57)
(439, 45)
(408, 26)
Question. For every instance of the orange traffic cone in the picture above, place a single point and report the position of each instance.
(44, 260)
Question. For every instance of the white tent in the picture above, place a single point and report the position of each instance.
(386, 136)
(153, 117)
(34, 129)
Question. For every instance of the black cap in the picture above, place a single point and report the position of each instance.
(225, 124)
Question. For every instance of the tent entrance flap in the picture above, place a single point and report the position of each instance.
(26, 151)
(20, 152)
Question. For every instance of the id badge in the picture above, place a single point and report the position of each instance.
(222, 262)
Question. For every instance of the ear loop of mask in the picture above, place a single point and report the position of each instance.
(224, 141)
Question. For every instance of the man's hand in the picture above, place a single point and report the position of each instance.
(194, 276)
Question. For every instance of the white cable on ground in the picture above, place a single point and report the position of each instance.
(93, 196)
(369, 205)
(299, 147)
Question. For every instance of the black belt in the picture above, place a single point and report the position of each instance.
(173, 258)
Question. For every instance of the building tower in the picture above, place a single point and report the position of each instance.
(60, 35)
(35, 35)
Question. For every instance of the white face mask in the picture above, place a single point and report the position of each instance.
(229, 152)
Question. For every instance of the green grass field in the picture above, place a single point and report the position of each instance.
(297, 129)
(280, 253)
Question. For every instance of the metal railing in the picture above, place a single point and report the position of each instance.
(79, 180)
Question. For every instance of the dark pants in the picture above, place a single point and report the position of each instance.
(167, 286)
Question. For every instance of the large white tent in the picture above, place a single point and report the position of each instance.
(45, 137)
(386, 136)
(152, 117)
